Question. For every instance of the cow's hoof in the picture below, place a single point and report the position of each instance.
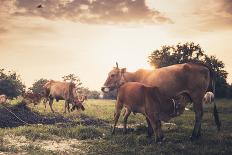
(194, 137)
(150, 140)
(159, 140)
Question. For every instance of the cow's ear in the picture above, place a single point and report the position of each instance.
(123, 70)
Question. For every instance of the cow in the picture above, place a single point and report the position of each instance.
(3, 99)
(32, 97)
(193, 79)
(208, 98)
(59, 91)
(139, 98)
(78, 103)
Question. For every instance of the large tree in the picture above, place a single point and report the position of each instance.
(11, 84)
(190, 52)
(37, 86)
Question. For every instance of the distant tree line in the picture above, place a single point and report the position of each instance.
(190, 52)
(11, 85)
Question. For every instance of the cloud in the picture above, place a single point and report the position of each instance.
(92, 11)
(3, 30)
(215, 15)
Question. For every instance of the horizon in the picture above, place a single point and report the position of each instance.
(87, 37)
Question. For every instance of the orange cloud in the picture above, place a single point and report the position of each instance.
(92, 11)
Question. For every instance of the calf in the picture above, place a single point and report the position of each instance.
(32, 97)
(138, 98)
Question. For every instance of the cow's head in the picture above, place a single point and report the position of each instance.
(114, 80)
(77, 105)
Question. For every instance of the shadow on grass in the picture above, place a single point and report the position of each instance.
(27, 116)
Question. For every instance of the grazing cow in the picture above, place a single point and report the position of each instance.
(3, 99)
(78, 103)
(33, 97)
(60, 91)
(208, 98)
(189, 78)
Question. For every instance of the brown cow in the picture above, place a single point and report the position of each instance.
(78, 103)
(32, 97)
(189, 78)
(138, 98)
(60, 91)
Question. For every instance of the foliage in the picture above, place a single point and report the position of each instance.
(91, 94)
(11, 84)
(110, 95)
(72, 78)
(189, 52)
(37, 86)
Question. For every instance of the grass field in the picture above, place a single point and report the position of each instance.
(88, 132)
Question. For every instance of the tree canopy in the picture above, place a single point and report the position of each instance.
(191, 52)
(37, 86)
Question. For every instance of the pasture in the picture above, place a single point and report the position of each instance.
(89, 132)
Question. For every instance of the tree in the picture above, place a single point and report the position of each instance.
(169, 55)
(72, 78)
(91, 94)
(189, 52)
(11, 84)
(37, 86)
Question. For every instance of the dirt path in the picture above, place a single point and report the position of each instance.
(59, 146)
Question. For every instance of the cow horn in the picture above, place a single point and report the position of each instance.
(117, 64)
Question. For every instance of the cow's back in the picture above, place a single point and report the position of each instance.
(176, 78)
(60, 90)
(132, 94)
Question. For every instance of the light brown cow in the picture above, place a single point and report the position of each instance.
(189, 78)
(3, 99)
(208, 98)
(138, 98)
(32, 97)
(78, 103)
(59, 91)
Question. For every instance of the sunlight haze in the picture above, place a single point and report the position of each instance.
(50, 43)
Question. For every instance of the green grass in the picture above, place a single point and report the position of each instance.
(93, 129)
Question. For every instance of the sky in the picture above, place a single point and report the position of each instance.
(87, 37)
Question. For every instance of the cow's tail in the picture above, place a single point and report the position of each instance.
(215, 111)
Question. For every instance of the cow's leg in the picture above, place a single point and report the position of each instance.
(198, 109)
(50, 104)
(118, 108)
(150, 131)
(126, 115)
(45, 103)
(156, 126)
(65, 106)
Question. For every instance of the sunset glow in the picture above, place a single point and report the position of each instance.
(50, 43)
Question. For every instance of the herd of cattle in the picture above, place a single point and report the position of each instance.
(163, 94)
(159, 95)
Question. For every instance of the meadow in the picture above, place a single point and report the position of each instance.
(89, 131)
